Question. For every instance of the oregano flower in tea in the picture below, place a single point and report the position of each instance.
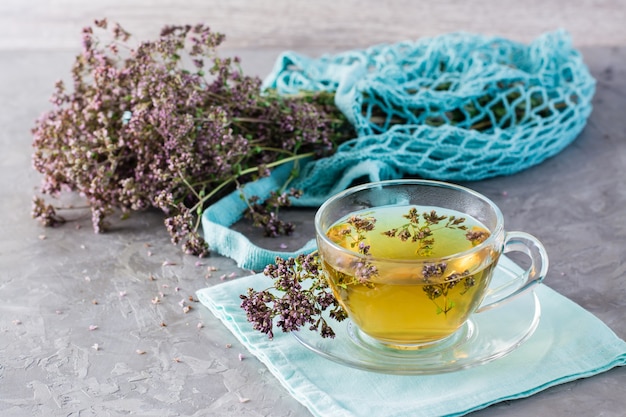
(422, 233)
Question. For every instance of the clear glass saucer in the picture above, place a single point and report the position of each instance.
(487, 336)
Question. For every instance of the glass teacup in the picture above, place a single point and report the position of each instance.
(411, 260)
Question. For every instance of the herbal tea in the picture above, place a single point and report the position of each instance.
(409, 270)
(400, 290)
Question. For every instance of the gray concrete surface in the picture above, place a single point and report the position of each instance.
(155, 359)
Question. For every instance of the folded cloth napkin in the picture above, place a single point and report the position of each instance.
(568, 344)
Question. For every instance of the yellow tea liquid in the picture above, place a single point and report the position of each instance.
(412, 296)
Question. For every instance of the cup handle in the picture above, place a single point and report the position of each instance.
(536, 272)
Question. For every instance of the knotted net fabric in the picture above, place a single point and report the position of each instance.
(456, 107)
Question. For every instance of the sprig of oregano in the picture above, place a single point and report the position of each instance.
(298, 297)
(421, 232)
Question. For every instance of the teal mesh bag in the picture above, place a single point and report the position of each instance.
(455, 107)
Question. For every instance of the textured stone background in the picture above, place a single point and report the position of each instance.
(57, 287)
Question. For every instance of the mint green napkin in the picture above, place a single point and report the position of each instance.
(569, 343)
